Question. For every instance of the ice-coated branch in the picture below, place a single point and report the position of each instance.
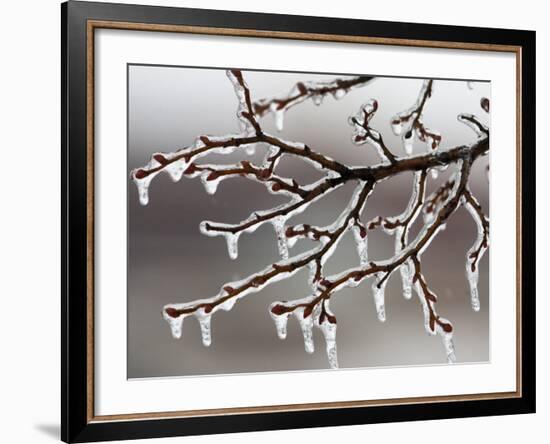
(365, 134)
(476, 252)
(409, 124)
(303, 91)
(313, 310)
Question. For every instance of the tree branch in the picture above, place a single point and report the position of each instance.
(313, 310)
(303, 91)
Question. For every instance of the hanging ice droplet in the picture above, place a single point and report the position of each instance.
(318, 99)
(434, 173)
(449, 347)
(210, 185)
(281, 321)
(329, 332)
(204, 322)
(143, 187)
(473, 278)
(279, 116)
(408, 141)
(175, 324)
(339, 93)
(306, 324)
(397, 127)
(175, 169)
(474, 297)
(378, 291)
(406, 278)
(279, 226)
(232, 244)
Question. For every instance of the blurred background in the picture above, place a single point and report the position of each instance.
(170, 261)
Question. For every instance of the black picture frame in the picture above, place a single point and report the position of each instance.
(77, 425)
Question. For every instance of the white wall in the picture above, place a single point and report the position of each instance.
(29, 217)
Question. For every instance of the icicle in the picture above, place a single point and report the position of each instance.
(361, 243)
(210, 185)
(470, 85)
(306, 324)
(204, 322)
(175, 325)
(408, 142)
(326, 322)
(406, 271)
(281, 320)
(449, 347)
(280, 324)
(329, 332)
(232, 244)
(279, 117)
(378, 291)
(143, 188)
(473, 278)
(279, 226)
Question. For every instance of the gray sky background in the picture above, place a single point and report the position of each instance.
(170, 261)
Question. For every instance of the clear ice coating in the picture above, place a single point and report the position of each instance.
(242, 110)
(306, 325)
(475, 253)
(281, 321)
(401, 231)
(408, 142)
(408, 124)
(473, 123)
(318, 316)
(446, 336)
(232, 244)
(328, 329)
(209, 185)
(279, 117)
(449, 347)
(361, 244)
(378, 292)
(314, 317)
(278, 106)
(175, 324)
(279, 226)
(363, 133)
(204, 322)
(407, 273)
(435, 203)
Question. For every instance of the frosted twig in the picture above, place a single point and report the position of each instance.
(303, 91)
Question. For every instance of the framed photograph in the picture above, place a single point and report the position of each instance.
(276, 221)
